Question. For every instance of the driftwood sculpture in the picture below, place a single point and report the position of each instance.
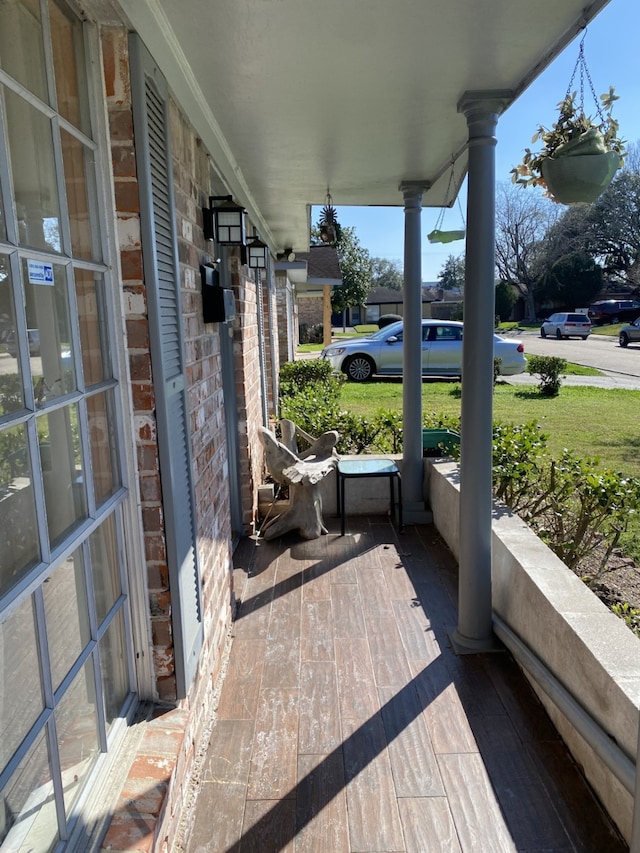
(302, 473)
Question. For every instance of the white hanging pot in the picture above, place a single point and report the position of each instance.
(579, 178)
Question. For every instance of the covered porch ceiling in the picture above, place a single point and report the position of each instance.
(294, 98)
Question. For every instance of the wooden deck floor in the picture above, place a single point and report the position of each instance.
(346, 722)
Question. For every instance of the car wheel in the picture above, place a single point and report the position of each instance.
(615, 319)
(623, 339)
(359, 368)
(558, 334)
(543, 334)
(584, 337)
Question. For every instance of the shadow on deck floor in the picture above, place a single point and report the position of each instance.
(346, 722)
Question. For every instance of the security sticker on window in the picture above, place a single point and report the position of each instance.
(40, 272)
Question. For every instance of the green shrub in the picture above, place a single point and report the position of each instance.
(296, 376)
(548, 368)
(387, 319)
(630, 615)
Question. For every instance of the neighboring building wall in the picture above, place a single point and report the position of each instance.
(310, 310)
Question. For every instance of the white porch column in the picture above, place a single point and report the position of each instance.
(413, 465)
(474, 631)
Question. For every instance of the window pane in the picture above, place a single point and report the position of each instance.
(65, 602)
(11, 397)
(20, 549)
(48, 319)
(80, 185)
(33, 170)
(103, 546)
(113, 659)
(77, 726)
(90, 297)
(29, 809)
(21, 698)
(21, 47)
(68, 57)
(62, 471)
(104, 459)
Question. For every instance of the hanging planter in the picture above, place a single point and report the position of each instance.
(439, 235)
(328, 222)
(581, 153)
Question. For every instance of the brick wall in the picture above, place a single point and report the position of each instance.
(205, 410)
(310, 310)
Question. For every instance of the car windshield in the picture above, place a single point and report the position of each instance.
(394, 328)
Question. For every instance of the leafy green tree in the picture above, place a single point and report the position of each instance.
(506, 298)
(386, 273)
(451, 276)
(355, 263)
(572, 281)
(613, 234)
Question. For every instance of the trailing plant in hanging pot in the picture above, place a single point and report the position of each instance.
(580, 153)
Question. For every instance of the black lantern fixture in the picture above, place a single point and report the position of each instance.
(257, 253)
(224, 222)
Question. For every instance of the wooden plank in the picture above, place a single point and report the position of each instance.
(319, 727)
(281, 663)
(316, 631)
(357, 691)
(284, 619)
(252, 617)
(218, 818)
(268, 826)
(428, 825)
(444, 713)
(274, 761)
(348, 618)
(420, 641)
(239, 695)
(321, 814)
(374, 593)
(414, 765)
(476, 813)
(374, 820)
(388, 656)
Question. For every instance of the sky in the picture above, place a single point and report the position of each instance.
(612, 54)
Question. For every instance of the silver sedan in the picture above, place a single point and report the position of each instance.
(381, 353)
(629, 334)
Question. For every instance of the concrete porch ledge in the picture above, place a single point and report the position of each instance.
(588, 648)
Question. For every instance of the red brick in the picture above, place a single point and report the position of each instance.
(131, 262)
(138, 334)
(127, 198)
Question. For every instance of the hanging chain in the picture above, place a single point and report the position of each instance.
(581, 64)
(440, 218)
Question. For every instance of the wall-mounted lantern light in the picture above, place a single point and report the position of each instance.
(257, 253)
(224, 222)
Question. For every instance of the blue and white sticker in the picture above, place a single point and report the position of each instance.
(40, 272)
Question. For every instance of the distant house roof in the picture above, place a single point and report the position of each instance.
(323, 266)
(431, 292)
(311, 270)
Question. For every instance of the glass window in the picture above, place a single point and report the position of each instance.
(21, 45)
(67, 614)
(90, 297)
(47, 305)
(68, 59)
(30, 821)
(115, 679)
(79, 172)
(21, 697)
(11, 396)
(62, 471)
(104, 459)
(20, 549)
(105, 567)
(34, 175)
(77, 729)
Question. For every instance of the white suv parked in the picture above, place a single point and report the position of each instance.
(565, 325)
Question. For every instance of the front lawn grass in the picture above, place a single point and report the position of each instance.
(591, 422)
